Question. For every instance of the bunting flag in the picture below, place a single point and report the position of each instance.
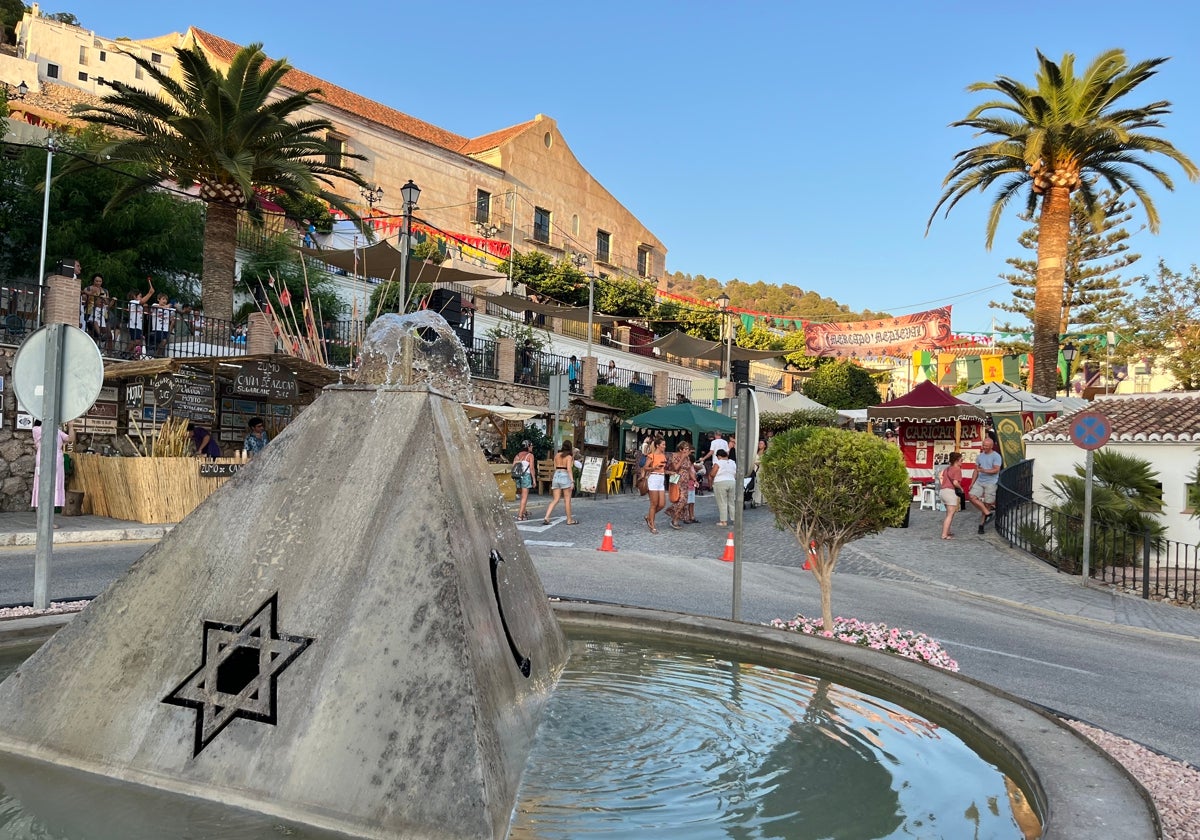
(947, 370)
(974, 370)
(1012, 370)
(993, 368)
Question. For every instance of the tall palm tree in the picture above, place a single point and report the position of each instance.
(1050, 137)
(233, 135)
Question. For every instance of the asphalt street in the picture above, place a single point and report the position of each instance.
(1122, 663)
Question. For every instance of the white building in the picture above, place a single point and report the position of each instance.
(1162, 429)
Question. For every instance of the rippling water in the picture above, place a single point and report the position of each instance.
(637, 742)
(643, 742)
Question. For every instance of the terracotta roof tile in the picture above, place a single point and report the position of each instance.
(1166, 417)
(346, 100)
(490, 141)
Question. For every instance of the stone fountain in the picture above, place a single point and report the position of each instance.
(350, 634)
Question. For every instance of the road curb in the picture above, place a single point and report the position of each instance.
(145, 532)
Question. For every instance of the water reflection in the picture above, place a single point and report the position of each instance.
(641, 741)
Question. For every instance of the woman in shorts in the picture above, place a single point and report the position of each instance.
(949, 486)
(562, 482)
(656, 483)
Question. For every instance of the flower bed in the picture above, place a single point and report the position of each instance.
(910, 645)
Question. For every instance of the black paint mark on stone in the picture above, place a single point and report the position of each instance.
(523, 663)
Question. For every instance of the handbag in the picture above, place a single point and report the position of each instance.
(673, 491)
(642, 485)
(519, 468)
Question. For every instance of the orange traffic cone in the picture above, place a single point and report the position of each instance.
(607, 544)
(727, 557)
(812, 554)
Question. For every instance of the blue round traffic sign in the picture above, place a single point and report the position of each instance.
(1090, 429)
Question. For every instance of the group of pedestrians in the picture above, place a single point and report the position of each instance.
(671, 481)
(983, 488)
(562, 482)
(149, 327)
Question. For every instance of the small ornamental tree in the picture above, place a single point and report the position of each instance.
(842, 385)
(830, 487)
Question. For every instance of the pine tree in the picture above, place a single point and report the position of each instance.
(1093, 292)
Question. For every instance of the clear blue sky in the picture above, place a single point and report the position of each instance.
(777, 141)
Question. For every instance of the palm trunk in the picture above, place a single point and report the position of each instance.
(220, 260)
(1054, 231)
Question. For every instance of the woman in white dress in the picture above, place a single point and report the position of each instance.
(60, 478)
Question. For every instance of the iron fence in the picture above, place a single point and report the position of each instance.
(129, 330)
(20, 310)
(481, 356)
(1143, 563)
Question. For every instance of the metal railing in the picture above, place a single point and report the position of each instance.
(123, 331)
(1149, 565)
(481, 356)
(19, 312)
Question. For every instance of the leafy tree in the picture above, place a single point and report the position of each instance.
(829, 487)
(560, 280)
(842, 384)
(65, 17)
(1126, 503)
(758, 338)
(11, 12)
(1169, 322)
(695, 321)
(1093, 292)
(155, 233)
(230, 134)
(631, 404)
(543, 443)
(616, 296)
(276, 266)
(798, 358)
(781, 421)
(1049, 137)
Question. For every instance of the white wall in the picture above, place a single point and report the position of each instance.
(1174, 463)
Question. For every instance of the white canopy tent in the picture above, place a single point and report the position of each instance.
(794, 401)
(998, 398)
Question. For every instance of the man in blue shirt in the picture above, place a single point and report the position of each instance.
(987, 478)
(257, 439)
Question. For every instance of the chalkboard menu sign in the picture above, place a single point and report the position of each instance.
(192, 395)
(266, 379)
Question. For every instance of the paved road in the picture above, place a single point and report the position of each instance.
(1122, 663)
(78, 570)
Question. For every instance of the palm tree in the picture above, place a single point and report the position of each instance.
(1063, 135)
(233, 135)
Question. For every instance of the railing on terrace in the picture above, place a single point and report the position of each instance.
(132, 331)
(1150, 566)
(19, 313)
(481, 356)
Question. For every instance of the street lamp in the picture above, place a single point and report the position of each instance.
(372, 194)
(1068, 353)
(580, 260)
(723, 302)
(410, 192)
(22, 90)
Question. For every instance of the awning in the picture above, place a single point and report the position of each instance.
(503, 412)
(382, 261)
(309, 374)
(926, 403)
(516, 303)
(686, 347)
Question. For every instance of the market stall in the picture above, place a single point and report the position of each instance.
(930, 424)
(501, 417)
(125, 474)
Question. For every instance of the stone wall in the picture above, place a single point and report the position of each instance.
(16, 447)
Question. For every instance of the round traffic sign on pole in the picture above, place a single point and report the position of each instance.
(82, 373)
(1090, 429)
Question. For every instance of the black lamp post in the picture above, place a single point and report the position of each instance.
(410, 192)
(372, 194)
(1068, 352)
(21, 91)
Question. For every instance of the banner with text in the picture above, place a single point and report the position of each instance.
(887, 337)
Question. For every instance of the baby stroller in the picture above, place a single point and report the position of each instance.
(748, 491)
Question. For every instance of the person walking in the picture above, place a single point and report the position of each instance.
(724, 484)
(680, 475)
(655, 472)
(562, 482)
(60, 475)
(987, 479)
(524, 476)
(949, 486)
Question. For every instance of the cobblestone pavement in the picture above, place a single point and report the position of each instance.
(982, 566)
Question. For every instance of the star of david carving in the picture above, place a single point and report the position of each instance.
(239, 666)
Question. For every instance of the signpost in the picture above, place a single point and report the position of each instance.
(1090, 430)
(57, 375)
(746, 431)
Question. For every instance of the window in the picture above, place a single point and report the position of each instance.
(575, 225)
(51, 71)
(603, 245)
(541, 225)
(483, 206)
(1191, 497)
(103, 55)
(138, 72)
(83, 56)
(337, 148)
(643, 266)
(83, 77)
(156, 58)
